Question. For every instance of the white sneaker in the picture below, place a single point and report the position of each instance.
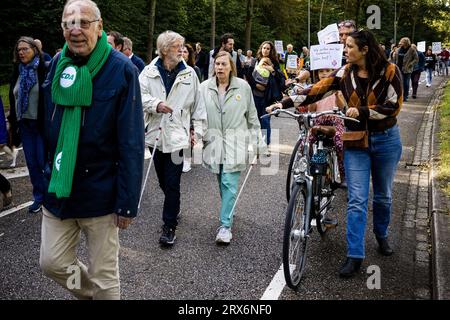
(14, 158)
(224, 235)
(186, 166)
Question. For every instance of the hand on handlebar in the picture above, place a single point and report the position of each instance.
(352, 112)
(274, 106)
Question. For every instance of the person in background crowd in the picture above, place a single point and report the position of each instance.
(226, 44)
(445, 56)
(188, 56)
(5, 186)
(45, 55)
(430, 64)
(272, 91)
(249, 63)
(201, 61)
(372, 88)
(170, 98)
(94, 132)
(405, 58)
(27, 111)
(232, 119)
(290, 52)
(128, 51)
(345, 27)
(9, 137)
(115, 39)
(417, 70)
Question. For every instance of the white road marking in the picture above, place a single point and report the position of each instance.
(275, 287)
(17, 172)
(15, 209)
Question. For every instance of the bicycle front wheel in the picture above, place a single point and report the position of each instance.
(293, 163)
(295, 240)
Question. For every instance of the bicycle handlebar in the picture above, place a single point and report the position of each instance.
(312, 115)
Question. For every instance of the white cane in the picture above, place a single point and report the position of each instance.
(243, 185)
(151, 160)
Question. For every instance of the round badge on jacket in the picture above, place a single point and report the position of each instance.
(68, 77)
(58, 161)
(238, 97)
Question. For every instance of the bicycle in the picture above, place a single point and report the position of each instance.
(312, 180)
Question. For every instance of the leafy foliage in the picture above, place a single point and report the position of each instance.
(285, 20)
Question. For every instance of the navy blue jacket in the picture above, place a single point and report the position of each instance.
(108, 171)
(138, 62)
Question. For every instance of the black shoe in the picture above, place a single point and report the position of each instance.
(414, 97)
(35, 207)
(383, 247)
(330, 222)
(168, 236)
(350, 267)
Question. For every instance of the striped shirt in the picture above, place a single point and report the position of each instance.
(379, 104)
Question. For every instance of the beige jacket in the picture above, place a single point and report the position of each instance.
(232, 127)
(183, 98)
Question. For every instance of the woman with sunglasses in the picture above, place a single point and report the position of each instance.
(26, 111)
(372, 88)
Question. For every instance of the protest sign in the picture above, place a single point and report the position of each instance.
(326, 56)
(329, 35)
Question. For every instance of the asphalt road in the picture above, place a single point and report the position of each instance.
(196, 268)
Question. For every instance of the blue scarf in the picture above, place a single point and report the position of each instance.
(28, 79)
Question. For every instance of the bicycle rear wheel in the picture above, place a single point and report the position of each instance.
(295, 240)
(293, 162)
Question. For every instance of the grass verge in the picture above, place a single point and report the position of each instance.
(444, 141)
(4, 91)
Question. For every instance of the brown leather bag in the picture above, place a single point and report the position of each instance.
(356, 139)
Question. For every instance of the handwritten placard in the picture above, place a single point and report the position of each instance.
(327, 56)
(279, 46)
(421, 46)
(291, 61)
(329, 35)
(436, 47)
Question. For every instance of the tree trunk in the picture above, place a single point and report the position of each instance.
(248, 25)
(320, 17)
(151, 28)
(213, 24)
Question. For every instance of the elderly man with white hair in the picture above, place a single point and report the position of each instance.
(94, 134)
(170, 99)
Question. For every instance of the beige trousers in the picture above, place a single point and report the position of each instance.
(58, 259)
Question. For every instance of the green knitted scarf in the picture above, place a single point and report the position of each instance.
(72, 89)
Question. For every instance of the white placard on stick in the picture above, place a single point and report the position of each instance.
(329, 35)
(279, 46)
(421, 46)
(291, 61)
(327, 56)
(436, 47)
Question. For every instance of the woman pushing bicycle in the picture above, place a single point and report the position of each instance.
(372, 88)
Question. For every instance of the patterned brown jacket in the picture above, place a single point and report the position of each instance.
(378, 106)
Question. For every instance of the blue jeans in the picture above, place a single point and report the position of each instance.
(265, 123)
(228, 185)
(406, 80)
(169, 177)
(429, 75)
(33, 148)
(379, 160)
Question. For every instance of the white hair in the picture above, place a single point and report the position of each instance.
(165, 40)
(89, 3)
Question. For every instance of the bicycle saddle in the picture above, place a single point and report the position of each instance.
(328, 131)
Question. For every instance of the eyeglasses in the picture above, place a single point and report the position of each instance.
(24, 49)
(77, 24)
(347, 24)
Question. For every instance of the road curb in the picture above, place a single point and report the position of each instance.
(438, 213)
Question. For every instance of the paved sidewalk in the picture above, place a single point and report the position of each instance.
(439, 213)
(426, 215)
